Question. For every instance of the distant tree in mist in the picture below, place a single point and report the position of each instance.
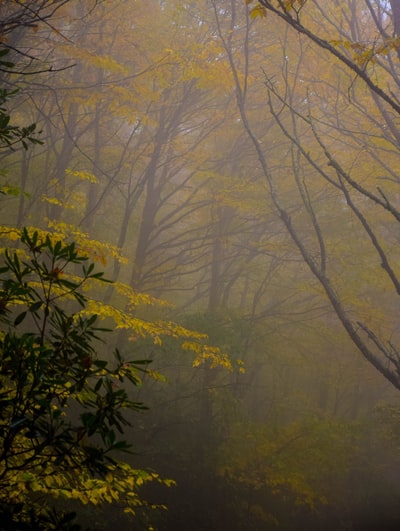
(335, 110)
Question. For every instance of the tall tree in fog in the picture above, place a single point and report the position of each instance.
(128, 126)
(335, 111)
(145, 148)
(147, 137)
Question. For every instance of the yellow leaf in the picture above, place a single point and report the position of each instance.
(258, 11)
(83, 175)
(49, 481)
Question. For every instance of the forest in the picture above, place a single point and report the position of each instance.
(199, 221)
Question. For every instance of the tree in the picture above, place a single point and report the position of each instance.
(313, 134)
(62, 405)
(63, 402)
(145, 148)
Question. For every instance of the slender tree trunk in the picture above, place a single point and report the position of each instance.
(395, 5)
(24, 177)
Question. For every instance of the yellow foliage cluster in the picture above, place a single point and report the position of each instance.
(60, 231)
(287, 5)
(304, 461)
(364, 52)
(159, 329)
(124, 319)
(135, 298)
(97, 60)
(82, 175)
(96, 250)
(120, 484)
(205, 353)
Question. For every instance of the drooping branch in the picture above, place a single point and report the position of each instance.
(318, 268)
(295, 23)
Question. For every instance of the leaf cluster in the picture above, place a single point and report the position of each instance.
(62, 408)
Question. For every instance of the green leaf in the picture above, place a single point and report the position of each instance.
(98, 385)
(101, 364)
(33, 308)
(18, 320)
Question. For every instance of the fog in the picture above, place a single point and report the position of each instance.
(236, 178)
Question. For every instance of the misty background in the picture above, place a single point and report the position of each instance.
(234, 169)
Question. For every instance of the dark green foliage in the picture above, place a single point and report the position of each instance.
(62, 408)
(48, 519)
